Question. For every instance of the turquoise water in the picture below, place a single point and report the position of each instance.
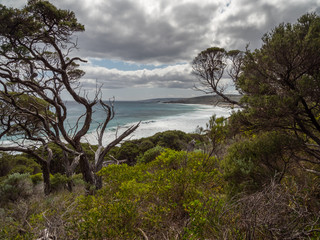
(130, 112)
(154, 117)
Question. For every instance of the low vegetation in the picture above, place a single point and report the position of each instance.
(247, 188)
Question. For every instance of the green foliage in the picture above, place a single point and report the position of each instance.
(16, 186)
(78, 180)
(216, 131)
(216, 128)
(29, 121)
(150, 154)
(58, 181)
(36, 178)
(39, 215)
(145, 145)
(131, 150)
(38, 39)
(5, 164)
(251, 163)
(173, 139)
(281, 81)
(156, 197)
(59, 157)
(281, 109)
(19, 163)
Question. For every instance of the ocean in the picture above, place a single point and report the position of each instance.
(154, 116)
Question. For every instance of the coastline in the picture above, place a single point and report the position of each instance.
(181, 118)
(214, 100)
(187, 122)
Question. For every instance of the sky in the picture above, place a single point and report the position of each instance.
(142, 49)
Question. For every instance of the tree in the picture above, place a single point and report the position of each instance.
(281, 82)
(21, 127)
(36, 60)
(209, 68)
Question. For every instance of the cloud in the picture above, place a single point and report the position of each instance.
(147, 31)
(13, 3)
(169, 32)
(143, 31)
(175, 76)
(246, 21)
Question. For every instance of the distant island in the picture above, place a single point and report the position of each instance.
(207, 100)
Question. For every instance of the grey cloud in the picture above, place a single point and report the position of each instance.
(172, 77)
(240, 31)
(177, 31)
(14, 3)
(123, 30)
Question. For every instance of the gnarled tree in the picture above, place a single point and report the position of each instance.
(36, 45)
(210, 67)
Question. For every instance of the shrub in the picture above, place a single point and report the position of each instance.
(18, 163)
(58, 181)
(252, 162)
(128, 150)
(145, 145)
(5, 164)
(77, 179)
(172, 139)
(16, 186)
(150, 154)
(134, 149)
(169, 196)
(279, 212)
(36, 178)
(39, 217)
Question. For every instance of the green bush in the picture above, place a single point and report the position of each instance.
(58, 181)
(57, 162)
(134, 149)
(16, 186)
(150, 154)
(157, 199)
(18, 163)
(252, 162)
(129, 150)
(36, 178)
(5, 164)
(32, 218)
(145, 145)
(77, 179)
(172, 139)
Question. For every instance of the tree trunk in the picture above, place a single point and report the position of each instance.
(98, 182)
(70, 182)
(46, 177)
(69, 167)
(86, 172)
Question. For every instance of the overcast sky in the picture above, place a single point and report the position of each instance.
(140, 49)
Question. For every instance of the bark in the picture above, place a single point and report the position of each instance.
(86, 170)
(46, 177)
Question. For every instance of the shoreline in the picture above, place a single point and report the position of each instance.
(212, 100)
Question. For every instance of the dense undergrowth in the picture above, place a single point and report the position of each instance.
(246, 189)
